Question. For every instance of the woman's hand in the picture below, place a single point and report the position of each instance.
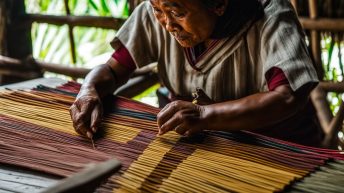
(86, 112)
(183, 117)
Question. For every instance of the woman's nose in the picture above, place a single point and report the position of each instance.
(170, 25)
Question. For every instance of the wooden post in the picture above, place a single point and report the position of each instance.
(315, 40)
(71, 36)
(2, 28)
(3, 49)
(322, 107)
(17, 37)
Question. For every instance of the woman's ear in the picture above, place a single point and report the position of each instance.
(221, 7)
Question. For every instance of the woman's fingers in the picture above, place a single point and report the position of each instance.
(171, 123)
(181, 121)
(96, 117)
(167, 112)
(181, 129)
(86, 114)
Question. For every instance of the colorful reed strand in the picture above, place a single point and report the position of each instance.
(214, 162)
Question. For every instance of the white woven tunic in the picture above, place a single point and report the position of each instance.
(232, 68)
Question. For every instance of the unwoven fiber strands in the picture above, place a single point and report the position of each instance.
(37, 133)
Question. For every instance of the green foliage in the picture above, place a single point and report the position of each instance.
(333, 65)
(149, 96)
(51, 43)
(115, 8)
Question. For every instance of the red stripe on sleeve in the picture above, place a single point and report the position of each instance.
(275, 77)
(123, 57)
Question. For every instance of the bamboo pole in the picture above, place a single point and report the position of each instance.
(331, 125)
(71, 36)
(337, 87)
(322, 24)
(331, 139)
(2, 27)
(315, 40)
(86, 21)
(140, 80)
(76, 72)
(31, 64)
(23, 74)
(321, 105)
(313, 9)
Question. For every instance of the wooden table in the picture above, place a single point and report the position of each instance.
(14, 179)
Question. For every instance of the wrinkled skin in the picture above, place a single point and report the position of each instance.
(87, 112)
(183, 117)
(190, 23)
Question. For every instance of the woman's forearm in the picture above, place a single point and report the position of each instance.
(105, 79)
(87, 110)
(255, 111)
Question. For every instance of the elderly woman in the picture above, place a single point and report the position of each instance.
(247, 59)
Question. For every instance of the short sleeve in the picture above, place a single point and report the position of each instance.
(283, 45)
(136, 36)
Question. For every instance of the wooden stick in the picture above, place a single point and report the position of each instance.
(13, 65)
(324, 114)
(331, 140)
(3, 28)
(329, 86)
(85, 21)
(315, 40)
(70, 32)
(322, 24)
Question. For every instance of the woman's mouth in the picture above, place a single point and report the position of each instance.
(180, 37)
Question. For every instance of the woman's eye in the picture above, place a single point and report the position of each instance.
(157, 11)
(175, 14)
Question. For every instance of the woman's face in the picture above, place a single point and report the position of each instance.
(189, 21)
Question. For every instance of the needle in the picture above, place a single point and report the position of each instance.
(94, 147)
(90, 135)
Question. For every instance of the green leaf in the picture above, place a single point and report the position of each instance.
(93, 4)
(104, 6)
(330, 52)
(340, 59)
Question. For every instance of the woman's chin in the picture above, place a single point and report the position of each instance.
(186, 43)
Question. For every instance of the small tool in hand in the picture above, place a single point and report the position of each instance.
(90, 135)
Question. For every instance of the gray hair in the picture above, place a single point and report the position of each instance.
(210, 4)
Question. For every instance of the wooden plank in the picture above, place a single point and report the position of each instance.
(323, 24)
(315, 40)
(87, 180)
(86, 21)
(2, 28)
(19, 180)
(52, 82)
